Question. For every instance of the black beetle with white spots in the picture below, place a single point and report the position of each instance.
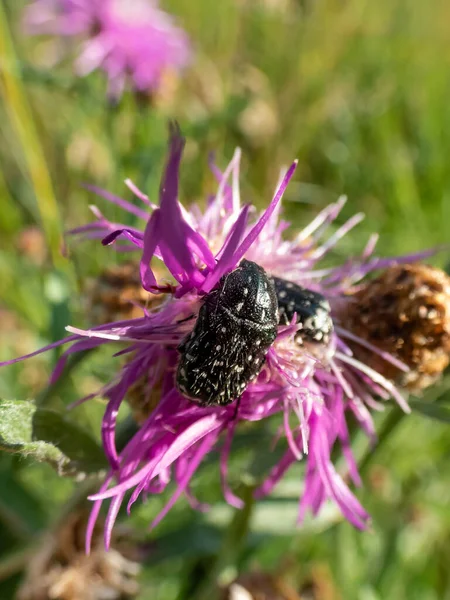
(313, 311)
(236, 325)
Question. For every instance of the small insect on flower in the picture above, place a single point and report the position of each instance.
(312, 309)
(236, 325)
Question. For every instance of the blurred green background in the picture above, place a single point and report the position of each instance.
(359, 92)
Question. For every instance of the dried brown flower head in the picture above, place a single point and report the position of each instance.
(404, 311)
(61, 570)
(145, 394)
(259, 586)
(320, 584)
(117, 294)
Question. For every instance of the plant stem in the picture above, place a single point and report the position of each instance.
(225, 565)
(390, 424)
(17, 561)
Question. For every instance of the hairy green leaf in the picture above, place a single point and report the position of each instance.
(16, 434)
(46, 436)
(82, 450)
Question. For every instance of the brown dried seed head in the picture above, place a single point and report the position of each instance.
(320, 584)
(404, 311)
(60, 570)
(144, 395)
(117, 294)
(259, 586)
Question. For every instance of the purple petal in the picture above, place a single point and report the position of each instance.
(287, 429)
(79, 346)
(203, 449)
(276, 474)
(133, 235)
(177, 239)
(189, 436)
(137, 192)
(124, 204)
(226, 261)
(111, 519)
(66, 340)
(94, 516)
(231, 498)
(150, 240)
(254, 233)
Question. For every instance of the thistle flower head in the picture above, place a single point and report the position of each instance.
(405, 311)
(117, 294)
(135, 40)
(312, 385)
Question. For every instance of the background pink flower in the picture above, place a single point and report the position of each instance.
(134, 41)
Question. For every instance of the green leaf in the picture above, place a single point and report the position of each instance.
(16, 434)
(46, 436)
(433, 411)
(21, 511)
(192, 539)
(74, 442)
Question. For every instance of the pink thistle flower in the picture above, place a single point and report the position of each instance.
(127, 40)
(319, 385)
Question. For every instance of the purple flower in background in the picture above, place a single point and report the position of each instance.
(313, 387)
(135, 40)
(60, 17)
